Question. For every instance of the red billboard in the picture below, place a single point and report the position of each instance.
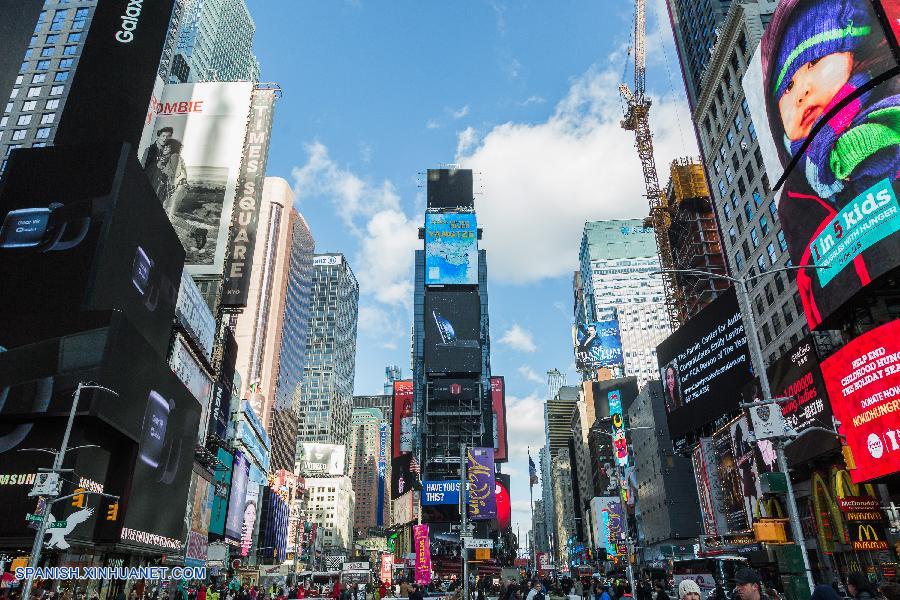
(402, 432)
(498, 404)
(863, 383)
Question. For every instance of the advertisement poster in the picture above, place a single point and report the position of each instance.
(838, 206)
(322, 459)
(451, 249)
(453, 332)
(251, 510)
(237, 498)
(597, 344)
(504, 506)
(219, 493)
(498, 409)
(382, 472)
(482, 500)
(747, 465)
(440, 493)
(193, 161)
(190, 372)
(387, 568)
(423, 554)
(702, 468)
(730, 492)
(863, 383)
(403, 475)
(402, 415)
(704, 365)
(194, 315)
(620, 444)
(797, 375)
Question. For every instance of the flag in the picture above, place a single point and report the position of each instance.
(532, 471)
(414, 466)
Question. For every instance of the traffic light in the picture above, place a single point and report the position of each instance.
(112, 511)
(78, 499)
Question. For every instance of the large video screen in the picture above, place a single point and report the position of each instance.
(796, 375)
(90, 238)
(863, 383)
(452, 332)
(237, 497)
(838, 207)
(451, 249)
(403, 428)
(498, 409)
(322, 459)
(704, 365)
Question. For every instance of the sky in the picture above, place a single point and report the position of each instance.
(523, 93)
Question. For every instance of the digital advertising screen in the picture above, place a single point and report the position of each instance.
(704, 365)
(193, 158)
(451, 249)
(237, 497)
(220, 493)
(452, 332)
(796, 375)
(597, 344)
(863, 383)
(450, 188)
(838, 206)
(403, 427)
(403, 478)
(322, 459)
(90, 238)
(504, 508)
(498, 409)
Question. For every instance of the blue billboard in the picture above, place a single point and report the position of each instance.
(451, 249)
(440, 492)
(382, 471)
(597, 344)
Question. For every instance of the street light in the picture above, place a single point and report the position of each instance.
(59, 457)
(759, 367)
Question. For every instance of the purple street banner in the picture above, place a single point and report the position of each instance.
(482, 501)
(423, 554)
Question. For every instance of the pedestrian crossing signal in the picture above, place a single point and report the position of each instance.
(112, 512)
(78, 499)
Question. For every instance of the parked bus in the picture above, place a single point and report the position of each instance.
(706, 571)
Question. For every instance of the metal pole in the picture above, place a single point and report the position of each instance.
(628, 545)
(531, 554)
(759, 367)
(42, 527)
(463, 518)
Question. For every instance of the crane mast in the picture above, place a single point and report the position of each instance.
(637, 119)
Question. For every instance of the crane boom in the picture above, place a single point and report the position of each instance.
(637, 119)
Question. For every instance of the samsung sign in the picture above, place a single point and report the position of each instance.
(130, 21)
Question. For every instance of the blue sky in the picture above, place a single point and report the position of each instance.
(525, 94)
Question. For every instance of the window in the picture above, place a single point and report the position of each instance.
(765, 181)
(740, 223)
(39, 78)
(757, 156)
(748, 210)
(761, 263)
(729, 174)
(24, 66)
(52, 38)
(58, 19)
(12, 147)
(14, 93)
(730, 137)
(49, 51)
(763, 224)
(746, 247)
(52, 104)
(34, 92)
(82, 13)
(757, 197)
(745, 107)
(773, 210)
(797, 304)
(66, 63)
(42, 65)
(61, 76)
(734, 200)
(29, 105)
(23, 120)
(723, 153)
(742, 188)
(9, 107)
(767, 334)
(754, 236)
(779, 283)
(732, 235)
(788, 313)
(782, 243)
(18, 134)
(776, 323)
(70, 50)
(4, 120)
(739, 261)
(727, 210)
(721, 189)
(773, 257)
(48, 118)
(42, 133)
(760, 307)
(717, 165)
(74, 37)
(738, 121)
(33, 40)
(56, 90)
(752, 129)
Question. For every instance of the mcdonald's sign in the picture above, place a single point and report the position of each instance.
(866, 536)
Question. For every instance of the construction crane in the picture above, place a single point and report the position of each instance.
(637, 119)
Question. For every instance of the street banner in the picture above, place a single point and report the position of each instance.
(618, 422)
(423, 554)
(482, 499)
(387, 568)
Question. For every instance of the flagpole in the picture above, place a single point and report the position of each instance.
(532, 557)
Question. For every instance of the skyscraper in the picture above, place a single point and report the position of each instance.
(617, 259)
(363, 468)
(215, 43)
(327, 390)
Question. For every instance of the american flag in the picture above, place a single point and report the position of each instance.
(414, 466)
(532, 471)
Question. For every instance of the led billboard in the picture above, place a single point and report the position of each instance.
(403, 476)
(863, 383)
(322, 459)
(450, 188)
(704, 365)
(796, 375)
(838, 205)
(237, 496)
(403, 427)
(597, 344)
(498, 409)
(452, 332)
(451, 249)
(193, 160)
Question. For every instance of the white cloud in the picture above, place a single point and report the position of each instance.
(468, 139)
(525, 429)
(518, 338)
(529, 374)
(545, 180)
(533, 100)
(432, 124)
(459, 113)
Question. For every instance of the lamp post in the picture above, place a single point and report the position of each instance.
(58, 458)
(759, 367)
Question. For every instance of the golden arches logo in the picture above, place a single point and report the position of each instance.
(866, 532)
(823, 504)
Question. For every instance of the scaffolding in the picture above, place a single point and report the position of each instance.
(450, 421)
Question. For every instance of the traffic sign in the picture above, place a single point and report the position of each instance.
(59, 524)
(476, 543)
(34, 518)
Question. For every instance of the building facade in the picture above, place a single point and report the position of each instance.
(362, 465)
(331, 503)
(326, 394)
(617, 261)
(215, 43)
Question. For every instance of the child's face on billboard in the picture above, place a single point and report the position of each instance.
(810, 91)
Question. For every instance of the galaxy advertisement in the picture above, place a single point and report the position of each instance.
(498, 409)
(597, 344)
(482, 499)
(403, 428)
(863, 383)
(451, 249)
(704, 365)
(796, 375)
(453, 332)
(834, 143)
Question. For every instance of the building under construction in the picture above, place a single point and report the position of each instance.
(693, 237)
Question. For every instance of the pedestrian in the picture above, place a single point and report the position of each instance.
(890, 590)
(824, 592)
(860, 587)
(688, 590)
(579, 588)
(748, 585)
(661, 590)
(718, 592)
